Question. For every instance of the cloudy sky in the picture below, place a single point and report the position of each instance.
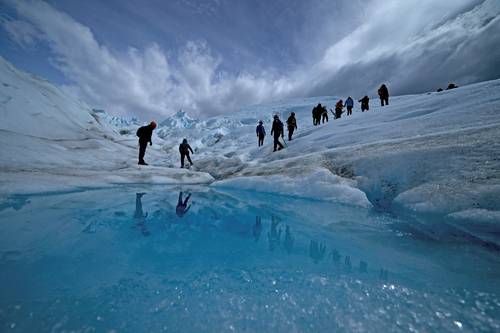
(152, 58)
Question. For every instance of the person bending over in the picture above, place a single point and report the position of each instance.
(184, 149)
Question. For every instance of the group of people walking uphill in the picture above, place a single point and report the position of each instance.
(319, 115)
(383, 93)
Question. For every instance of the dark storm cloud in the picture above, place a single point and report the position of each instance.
(463, 49)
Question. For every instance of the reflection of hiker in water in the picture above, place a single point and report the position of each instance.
(182, 207)
(257, 228)
(347, 263)
(383, 274)
(335, 255)
(288, 242)
(139, 216)
(317, 251)
(274, 235)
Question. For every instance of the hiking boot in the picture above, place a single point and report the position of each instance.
(142, 163)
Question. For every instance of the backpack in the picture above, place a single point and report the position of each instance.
(139, 131)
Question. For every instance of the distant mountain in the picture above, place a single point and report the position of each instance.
(179, 120)
(120, 124)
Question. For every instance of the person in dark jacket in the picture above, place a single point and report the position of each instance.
(184, 149)
(365, 103)
(316, 114)
(277, 131)
(291, 123)
(324, 114)
(383, 93)
(144, 133)
(349, 104)
(338, 109)
(261, 133)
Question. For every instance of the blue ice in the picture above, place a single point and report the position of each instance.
(194, 259)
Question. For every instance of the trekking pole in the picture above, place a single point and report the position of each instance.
(284, 141)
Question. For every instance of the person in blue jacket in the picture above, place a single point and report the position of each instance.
(349, 103)
(261, 133)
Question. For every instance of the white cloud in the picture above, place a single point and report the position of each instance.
(143, 81)
(415, 48)
(415, 43)
(21, 32)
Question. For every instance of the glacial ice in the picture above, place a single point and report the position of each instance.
(385, 220)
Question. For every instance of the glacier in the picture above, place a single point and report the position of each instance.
(383, 220)
(58, 143)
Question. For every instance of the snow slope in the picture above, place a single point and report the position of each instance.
(53, 141)
(432, 157)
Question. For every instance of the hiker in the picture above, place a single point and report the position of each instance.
(184, 149)
(291, 123)
(315, 114)
(261, 133)
(144, 133)
(277, 131)
(349, 103)
(383, 93)
(338, 109)
(324, 114)
(182, 206)
(365, 106)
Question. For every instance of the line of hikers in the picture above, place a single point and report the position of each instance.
(319, 115)
(277, 131)
(146, 132)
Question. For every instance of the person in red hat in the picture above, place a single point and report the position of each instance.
(144, 133)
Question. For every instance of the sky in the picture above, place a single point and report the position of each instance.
(209, 57)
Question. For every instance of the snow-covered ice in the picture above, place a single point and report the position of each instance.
(386, 220)
(432, 155)
(51, 141)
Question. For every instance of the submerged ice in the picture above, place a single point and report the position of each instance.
(193, 259)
